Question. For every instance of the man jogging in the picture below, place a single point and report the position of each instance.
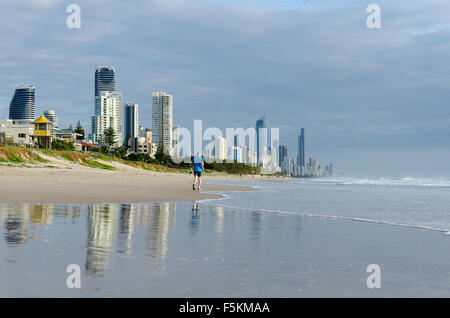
(199, 165)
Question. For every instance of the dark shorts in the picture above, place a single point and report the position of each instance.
(198, 173)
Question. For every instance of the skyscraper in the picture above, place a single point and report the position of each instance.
(108, 113)
(22, 103)
(282, 154)
(51, 116)
(175, 141)
(261, 138)
(162, 120)
(131, 122)
(104, 80)
(301, 149)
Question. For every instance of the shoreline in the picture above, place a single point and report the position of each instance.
(89, 185)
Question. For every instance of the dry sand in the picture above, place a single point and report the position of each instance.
(77, 184)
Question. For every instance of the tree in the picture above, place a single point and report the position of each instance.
(79, 130)
(70, 127)
(58, 144)
(161, 156)
(120, 152)
(109, 136)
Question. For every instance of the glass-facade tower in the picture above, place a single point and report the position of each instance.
(104, 80)
(22, 103)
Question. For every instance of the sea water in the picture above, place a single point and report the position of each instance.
(423, 203)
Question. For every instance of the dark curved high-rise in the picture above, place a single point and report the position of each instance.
(104, 80)
(22, 103)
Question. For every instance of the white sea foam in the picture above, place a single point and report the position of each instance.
(423, 182)
(322, 216)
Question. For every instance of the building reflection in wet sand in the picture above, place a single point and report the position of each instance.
(18, 218)
(110, 227)
(101, 225)
(157, 219)
(118, 228)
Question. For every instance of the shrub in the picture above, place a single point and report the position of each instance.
(58, 144)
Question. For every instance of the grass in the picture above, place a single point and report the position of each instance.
(12, 157)
(86, 159)
(150, 167)
(96, 164)
(18, 154)
(103, 157)
(48, 152)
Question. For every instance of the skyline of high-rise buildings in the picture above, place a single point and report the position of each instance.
(124, 119)
(22, 104)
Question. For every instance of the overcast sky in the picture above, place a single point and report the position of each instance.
(372, 101)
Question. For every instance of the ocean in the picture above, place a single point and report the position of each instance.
(422, 203)
(291, 238)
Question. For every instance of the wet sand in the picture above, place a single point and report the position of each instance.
(88, 185)
(174, 249)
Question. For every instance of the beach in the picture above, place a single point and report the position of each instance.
(138, 233)
(79, 184)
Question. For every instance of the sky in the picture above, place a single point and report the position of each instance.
(372, 101)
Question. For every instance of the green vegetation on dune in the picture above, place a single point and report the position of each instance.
(96, 164)
(12, 157)
(48, 152)
(103, 157)
(85, 159)
(161, 162)
(18, 154)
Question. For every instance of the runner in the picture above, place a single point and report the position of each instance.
(199, 165)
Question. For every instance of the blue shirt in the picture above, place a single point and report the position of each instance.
(197, 161)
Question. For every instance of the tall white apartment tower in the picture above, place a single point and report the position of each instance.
(108, 113)
(162, 120)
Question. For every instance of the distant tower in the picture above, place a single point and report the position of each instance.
(51, 116)
(282, 154)
(131, 122)
(261, 138)
(175, 141)
(301, 149)
(104, 80)
(141, 131)
(22, 104)
(162, 120)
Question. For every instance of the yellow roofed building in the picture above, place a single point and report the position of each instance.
(43, 132)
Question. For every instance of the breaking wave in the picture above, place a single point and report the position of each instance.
(398, 182)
